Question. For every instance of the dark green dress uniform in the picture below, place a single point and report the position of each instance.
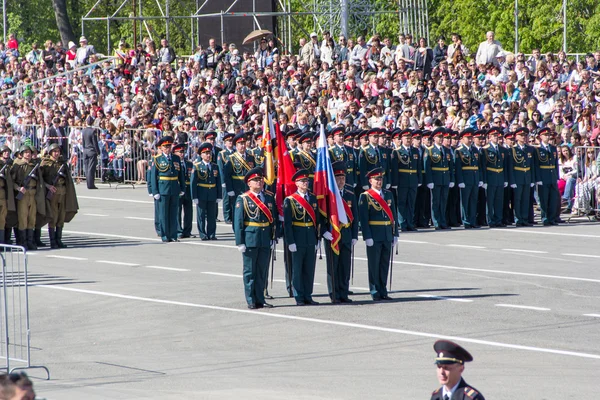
(150, 191)
(467, 171)
(463, 391)
(406, 178)
(423, 201)
(222, 159)
(301, 231)
(494, 161)
(377, 226)
(185, 211)
(546, 172)
(437, 161)
(346, 155)
(306, 159)
(206, 190)
(521, 174)
(235, 170)
(168, 183)
(448, 353)
(255, 221)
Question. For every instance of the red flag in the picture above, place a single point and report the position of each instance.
(285, 172)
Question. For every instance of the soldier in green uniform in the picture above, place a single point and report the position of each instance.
(7, 197)
(439, 177)
(301, 220)
(257, 151)
(546, 178)
(494, 168)
(508, 213)
(478, 142)
(385, 151)
(240, 162)
(61, 198)
(453, 206)
(338, 265)
(206, 191)
(423, 201)
(185, 212)
(255, 221)
(305, 158)
(27, 184)
(450, 361)
(521, 176)
(150, 191)
(341, 152)
(370, 157)
(222, 159)
(406, 177)
(467, 170)
(377, 213)
(168, 184)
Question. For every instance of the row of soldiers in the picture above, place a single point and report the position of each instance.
(35, 190)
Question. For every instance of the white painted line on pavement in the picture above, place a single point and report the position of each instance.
(328, 322)
(523, 307)
(30, 253)
(579, 255)
(430, 296)
(592, 315)
(117, 263)
(466, 246)
(552, 233)
(96, 215)
(112, 199)
(140, 218)
(67, 257)
(167, 268)
(412, 241)
(241, 276)
(526, 251)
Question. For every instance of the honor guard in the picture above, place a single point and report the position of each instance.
(240, 162)
(494, 162)
(406, 177)
(370, 157)
(257, 151)
(341, 152)
(453, 207)
(150, 193)
(478, 143)
(168, 184)
(439, 178)
(222, 159)
(546, 178)
(7, 197)
(423, 201)
(508, 214)
(206, 192)
(301, 220)
(385, 151)
(377, 213)
(468, 177)
(521, 176)
(450, 361)
(305, 157)
(255, 230)
(338, 265)
(185, 211)
(210, 137)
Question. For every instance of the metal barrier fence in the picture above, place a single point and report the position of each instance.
(587, 181)
(15, 335)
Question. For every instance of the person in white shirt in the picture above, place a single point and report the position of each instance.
(487, 51)
(450, 361)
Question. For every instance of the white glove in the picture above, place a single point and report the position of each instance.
(395, 240)
(387, 186)
(369, 242)
(532, 184)
(157, 197)
(223, 185)
(354, 242)
(318, 244)
(480, 184)
(150, 194)
(505, 184)
(354, 185)
(327, 235)
(485, 186)
(461, 185)
(195, 202)
(281, 218)
(394, 187)
(219, 200)
(451, 185)
(293, 247)
(419, 184)
(514, 186)
(231, 194)
(242, 248)
(365, 187)
(539, 183)
(273, 243)
(430, 186)
(181, 194)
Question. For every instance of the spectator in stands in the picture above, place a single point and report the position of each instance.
(84, 52)
(166, 53)
(588, 182)
(488, 50)
(567, 171)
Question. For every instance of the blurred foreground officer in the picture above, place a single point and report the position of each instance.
(206, 192)
(380, 231)
(254, 226)
(168, 184)
(450, 361)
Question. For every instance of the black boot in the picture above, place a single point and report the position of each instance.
(6, 236)
(21, 239)
(52, 235)
(59, 238)
(30, 242)
(37, 236)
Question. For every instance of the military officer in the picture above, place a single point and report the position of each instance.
(257, 151)
(453, 206)
(508, 214)
(370, 157)
(478, 142)
(222, 159)
(206, 192)
(7, 197)
(494, 162)
(255, 230)
(406, 178)
(450, 361)
(385, 151)
(240, 162)
(168, 184)
(439, 178)
(379, 227)
(301, 220)
(305, 157)
(338, 265)
(521, 176)
(468, 177)
(341, 152)
(184, 222)
(210, 137)
(546, 178)
(150, 193)
(423, 200)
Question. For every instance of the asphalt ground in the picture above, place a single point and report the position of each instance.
(121, 315)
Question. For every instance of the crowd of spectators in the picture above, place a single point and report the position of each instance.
(148, 91)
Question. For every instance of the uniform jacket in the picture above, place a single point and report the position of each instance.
(462, 392)
(406, 167)
(251, 226)
(467, 166)
(350, 230)
(235, 170)
(168, 175)
(345, 154)
(222, 159)
(50, 170)
(294, 216)
(521, 165)
(369, 158)
(438, 165)
(205, 182)
(545, 161)
(494, 165)
(374, 222)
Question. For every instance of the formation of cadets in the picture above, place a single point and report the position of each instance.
(390, 181)
(35, 190)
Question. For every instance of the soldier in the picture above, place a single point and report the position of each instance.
(210, 137)
(27, 184)
(255, 231)
(439, 178)
(508, 214)
(222, 159)
(206, 192)
(521, 176)
(546, 178)
(406, 178)
(257, 151)
(240, 162)
(423, 199)
(168, 184)
(150, 191)
(450, 360)
(494, 162)
(7, 197)
(338, 151)
(301, 230)
(184, 222)
(468, 178)
(453, 207)
(385, 151)
(40, 217)
(305, 157)
(377, 212)
(338, 265)
(62, 201)
(478, 142)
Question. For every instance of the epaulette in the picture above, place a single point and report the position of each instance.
(470, 392)
(487, 146)
(435, 391)
(349, 191)
(429, 147)
(196, 163)
(269, 192)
